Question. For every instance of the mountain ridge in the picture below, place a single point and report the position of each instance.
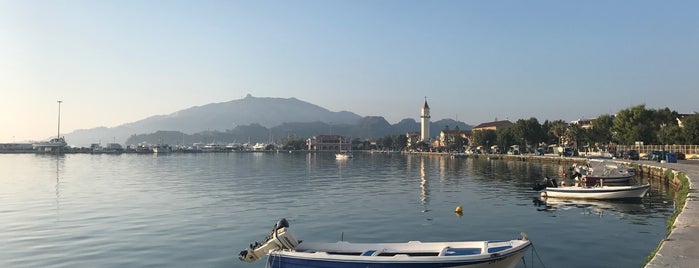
(282, 115)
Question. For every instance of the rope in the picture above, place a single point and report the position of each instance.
(537, 256)
(270, 264)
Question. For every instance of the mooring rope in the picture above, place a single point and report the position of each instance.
(534, 252)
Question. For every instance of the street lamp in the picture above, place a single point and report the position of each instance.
(59, 120)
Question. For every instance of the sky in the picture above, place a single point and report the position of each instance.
(116, 62)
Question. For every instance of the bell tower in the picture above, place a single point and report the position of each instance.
(425, 122)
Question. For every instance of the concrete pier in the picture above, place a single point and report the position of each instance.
(681, 247)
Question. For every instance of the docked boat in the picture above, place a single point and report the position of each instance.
(596, 170)
(161, 149)
(285, 251)
(551, 189)
(53, 145)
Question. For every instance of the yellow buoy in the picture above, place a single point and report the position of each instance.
(459, 209)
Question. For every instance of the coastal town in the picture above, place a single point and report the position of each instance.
(497, 137)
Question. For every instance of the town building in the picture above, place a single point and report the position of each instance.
(448, 137)
(329, 143)
(583, 123)
(496, 125)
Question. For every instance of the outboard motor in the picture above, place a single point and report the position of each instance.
(280, 238)
(548, 182)
(281, 223)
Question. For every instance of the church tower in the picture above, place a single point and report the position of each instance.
(425, 121)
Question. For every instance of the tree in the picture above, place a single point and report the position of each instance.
(574, 134)
(293, 143)
(690, 129)
(633, 125)
(558, 130)
(602, 129)
(505, 137)
(483, 138)
(529, 131)
(400, 142)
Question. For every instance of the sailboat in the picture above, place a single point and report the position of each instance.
(343, 154)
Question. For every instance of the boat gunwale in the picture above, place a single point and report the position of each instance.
(516, 246)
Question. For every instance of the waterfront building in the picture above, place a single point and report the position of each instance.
(16, 147)
(583, 123)
(448, 137)
(493, 125)
(329, 143)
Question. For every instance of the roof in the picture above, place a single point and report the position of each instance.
(495, 124)
(454, 131)
(425, 106)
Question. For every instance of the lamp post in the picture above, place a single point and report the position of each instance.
(59, 120)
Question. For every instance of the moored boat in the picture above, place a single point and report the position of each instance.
(551, 189)
(284, 250)
(597, 170)
(343, 155)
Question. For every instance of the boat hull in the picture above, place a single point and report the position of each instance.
(605, 192)
(290, 259)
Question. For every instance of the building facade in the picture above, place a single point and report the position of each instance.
(493, 125)
(329, 143)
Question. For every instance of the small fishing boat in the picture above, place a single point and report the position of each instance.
(284, 250)
(601, 191)
(596, 170)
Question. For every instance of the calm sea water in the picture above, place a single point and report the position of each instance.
(200, 210)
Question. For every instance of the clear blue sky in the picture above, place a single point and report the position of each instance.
(114, 62)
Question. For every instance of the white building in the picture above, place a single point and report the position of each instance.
(425, 121)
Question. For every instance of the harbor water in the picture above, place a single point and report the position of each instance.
(200, 210)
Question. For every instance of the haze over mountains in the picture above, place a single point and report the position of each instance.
(251, 119)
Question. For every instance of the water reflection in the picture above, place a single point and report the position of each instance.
(619, 208)
(424, 190)
(59, 159)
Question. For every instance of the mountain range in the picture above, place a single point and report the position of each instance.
(252, 119)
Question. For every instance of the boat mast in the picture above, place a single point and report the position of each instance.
(59, 119)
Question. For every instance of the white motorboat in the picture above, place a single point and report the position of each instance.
(284, 250)
(551, 189)
(343, 155)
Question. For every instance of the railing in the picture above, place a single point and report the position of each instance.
(686, 149)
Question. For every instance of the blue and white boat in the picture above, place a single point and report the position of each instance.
(285, 251)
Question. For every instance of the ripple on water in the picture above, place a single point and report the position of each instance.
(199, 210)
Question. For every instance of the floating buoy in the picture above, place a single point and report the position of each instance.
(459, 209)
(543, 194)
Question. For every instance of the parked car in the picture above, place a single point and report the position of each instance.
(539, 151)
(631, 155)
(655, 155)
(680, 156)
